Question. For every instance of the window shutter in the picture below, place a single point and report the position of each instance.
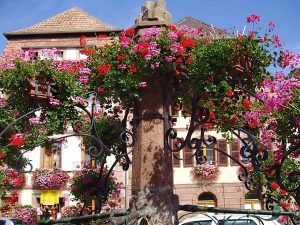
(235, 152)
(176, 162)
(222, 159)
(187, 156)
(46, 159)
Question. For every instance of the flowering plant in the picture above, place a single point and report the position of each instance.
(10, 181)
(69, 211)
(87, 183)
(12, 178)
(59, 80)
(27, 214)
(49, 179)
(204, 172)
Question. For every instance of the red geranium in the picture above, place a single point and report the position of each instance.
(17, 140)
(143, 48)
(229, 93)
(121, 57)
(252, 18)
(132, 69)
(101, 90)
(103, 69)
(188, 42)
(83, 40)
(88, 51)
(246, 103)
(274, 185)
(285, 205)
(129, 32)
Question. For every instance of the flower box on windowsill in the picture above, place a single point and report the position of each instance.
(41, 88)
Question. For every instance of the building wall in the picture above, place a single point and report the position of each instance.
(57, 42)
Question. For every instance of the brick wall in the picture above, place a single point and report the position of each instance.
(64, 42)
(230, 195)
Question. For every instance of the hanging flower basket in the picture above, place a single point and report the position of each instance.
(49, 179)
(86, 184)
(41, 88)
(205, 172)
(26, 213)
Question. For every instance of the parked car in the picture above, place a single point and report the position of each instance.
(10, 221)
(229, 219)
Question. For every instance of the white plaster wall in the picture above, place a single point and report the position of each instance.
(26, 197)
(35, 157)
(71, 54)
(82, 56)
(71, 154)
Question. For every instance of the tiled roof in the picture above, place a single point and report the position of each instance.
(73, 20)
(194, 23)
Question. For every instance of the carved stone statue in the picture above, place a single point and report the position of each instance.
(152, 11)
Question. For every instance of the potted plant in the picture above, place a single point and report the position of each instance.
(89, 182)
(27, 214)
(205, 172)
(49, 179)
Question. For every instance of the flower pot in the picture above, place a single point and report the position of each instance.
(41, 88)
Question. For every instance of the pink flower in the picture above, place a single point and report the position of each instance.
(122, 66)
(297, 123)
(3, 102)
(84, 79)
(54, 101)
(35, 121)
(170, 58)
(253, 18)
(276, 40)
(125, 41)
(271, 25)
(80, 100)
(143, 84)
(84, 70)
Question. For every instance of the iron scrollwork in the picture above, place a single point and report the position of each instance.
(96, 148)
(196, 138)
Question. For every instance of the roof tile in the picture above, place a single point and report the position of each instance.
(73, 20)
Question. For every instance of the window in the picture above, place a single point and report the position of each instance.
(222, 158)
(176, 161)
(207, 199)
(175, 156)
(252, 199)
(60, 55)
(51, 156)
(209, 153)
(235, 152)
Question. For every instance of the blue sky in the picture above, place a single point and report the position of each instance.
(16, 14)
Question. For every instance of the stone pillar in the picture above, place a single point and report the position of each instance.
(152, 171)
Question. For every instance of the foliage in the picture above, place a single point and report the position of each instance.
(10, 181)
(89, 182)
(109, 129)
(58, 111)
(26, 213)
(49, 179)
(211, 68)
(204, 172)
(70, 211)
